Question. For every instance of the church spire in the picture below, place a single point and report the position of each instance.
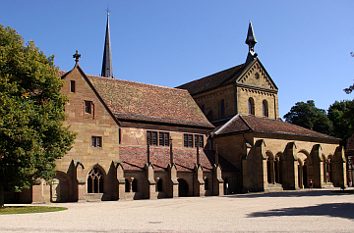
(107, 55)
(251, 42)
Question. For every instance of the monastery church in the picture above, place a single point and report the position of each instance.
(217, 135)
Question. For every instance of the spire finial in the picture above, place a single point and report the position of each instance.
(251, 42)
(77, 56)
(107, 55)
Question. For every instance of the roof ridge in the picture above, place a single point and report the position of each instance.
(210, 75)
(135, 82)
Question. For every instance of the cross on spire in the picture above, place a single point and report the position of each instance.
(77, 56)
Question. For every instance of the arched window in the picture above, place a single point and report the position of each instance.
(95, 181)
(265, 108)
(251, 110)
(159, 186)
(127, 186)
(206, 184)
(135, 185)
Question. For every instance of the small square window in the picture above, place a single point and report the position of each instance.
(88, 106)
(96, 141)
(72, 86)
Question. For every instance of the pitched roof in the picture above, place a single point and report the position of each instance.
(251, 123)
(149, 103)
(212, 81)
(135, 158)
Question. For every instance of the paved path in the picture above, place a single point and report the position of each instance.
(315, 211)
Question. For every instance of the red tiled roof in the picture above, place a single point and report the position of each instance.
(150, 103)
(212, 81)
(134, 158)
(269, 126)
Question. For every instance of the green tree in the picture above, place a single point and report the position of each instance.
(309, 116)
(32, 135)
(340, 114)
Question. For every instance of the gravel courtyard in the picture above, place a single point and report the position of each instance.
(312, 211)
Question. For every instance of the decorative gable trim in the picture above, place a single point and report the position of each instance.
(244, 75)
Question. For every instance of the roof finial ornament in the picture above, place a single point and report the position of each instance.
(251, 42)
(77, 56)
(107, 55)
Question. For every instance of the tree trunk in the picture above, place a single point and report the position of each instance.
(2, 194)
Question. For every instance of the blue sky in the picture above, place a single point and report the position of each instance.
(304, 45)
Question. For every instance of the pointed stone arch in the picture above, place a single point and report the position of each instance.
(96, 179)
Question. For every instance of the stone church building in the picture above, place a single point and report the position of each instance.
(217, 135)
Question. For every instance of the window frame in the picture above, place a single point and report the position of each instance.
(251, 106)
(96, 141)
(72, 86)
(88, 107)
(188, 140)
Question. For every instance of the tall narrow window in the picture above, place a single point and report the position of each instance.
(251, 110)
(88, 106)
(188, 140)
(72, 86)
(222, 108)
(95, 181)
(199, 140)
(151, 137)
(164, 139)
(265, 108)
(96, 141)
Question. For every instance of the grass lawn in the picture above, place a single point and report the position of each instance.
(29, 209)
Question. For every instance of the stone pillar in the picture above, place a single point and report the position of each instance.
(81, 180)
(218, 183)
(339, 171)
(290, 167)
(317, 166)
(120, 180)
(172, 189)
(198, 181)
(149, 171)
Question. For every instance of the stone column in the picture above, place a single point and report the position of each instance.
(317, 166)
(172, 190)
(81, 180)
(198, 181)
(218, 182)
(149, 171)
(290, 167)
(120, 180)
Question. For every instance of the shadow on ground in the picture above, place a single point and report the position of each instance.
(341, 210)
(306, 193)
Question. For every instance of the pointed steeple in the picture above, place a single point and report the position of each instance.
(251, 42)
(107, 55)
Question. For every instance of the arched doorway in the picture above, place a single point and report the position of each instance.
(95, 181)
(183, 188)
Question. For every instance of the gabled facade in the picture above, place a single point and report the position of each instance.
(266, 154)
(133, 141)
